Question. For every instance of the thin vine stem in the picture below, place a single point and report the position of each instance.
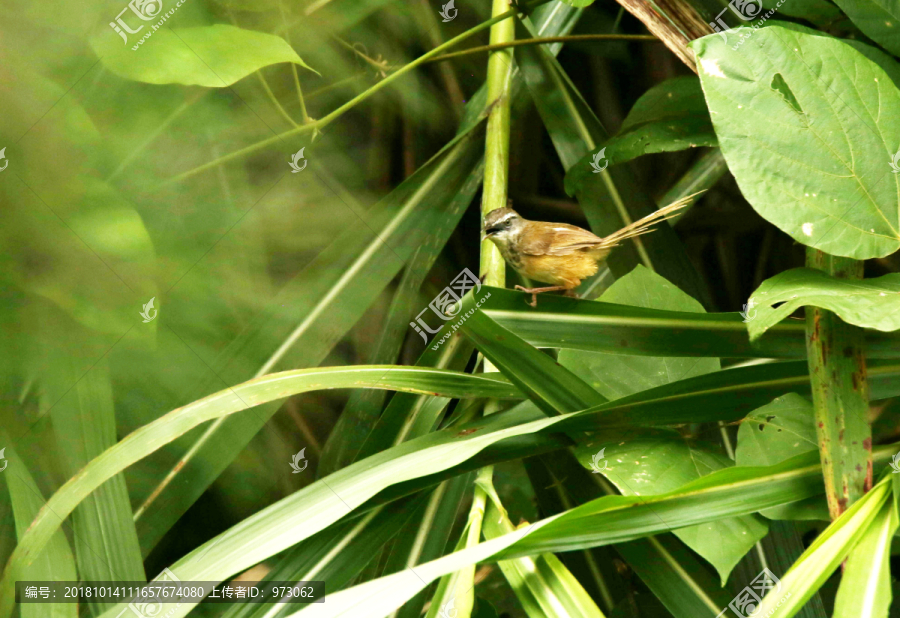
(542, 40)
(316, 126)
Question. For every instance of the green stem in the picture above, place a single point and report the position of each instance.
(496, 149)
(287, 35)
(550, 39)
(340, 111)
(837, 371)
(274, 99)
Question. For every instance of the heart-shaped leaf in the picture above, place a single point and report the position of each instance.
(813, 155)
(214, 56)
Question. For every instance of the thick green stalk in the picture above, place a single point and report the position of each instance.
(837, 370)
(496, 152)
(493, 268)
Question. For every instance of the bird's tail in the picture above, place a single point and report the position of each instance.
(644, 225)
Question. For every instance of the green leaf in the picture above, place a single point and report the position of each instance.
(772, 111)
(55, 561)
(567, 323)
(214, 56)
(819, 12)
(670, 116)
(554, 389)
(865, 590)
(611, 519)
(316, 309)
(649, 462)
(686, 586)
(543, 585)
(336, 554)
(870, 303)
(826, 553)
(878, 19)
(151, 437)
(776, 432)
(652, 462)
(618, 375)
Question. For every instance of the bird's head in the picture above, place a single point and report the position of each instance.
(502, 225)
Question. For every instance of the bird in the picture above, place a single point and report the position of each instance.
(558, 253)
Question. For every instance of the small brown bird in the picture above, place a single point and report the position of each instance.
(559, 253)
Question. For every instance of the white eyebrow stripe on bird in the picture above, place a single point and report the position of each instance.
(505, 217)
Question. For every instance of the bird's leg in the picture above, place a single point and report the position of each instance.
(535, 291)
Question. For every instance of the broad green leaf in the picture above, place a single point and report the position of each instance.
(670, 116)
(687, 586)
(651, 461)
(55, 561)
(618, 375)
(776, 432)
(213, 56)
(865, 590)
(567, 323)
(870, 303)
(811, 149)
(579, 3)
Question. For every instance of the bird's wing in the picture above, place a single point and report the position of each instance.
(560, 239)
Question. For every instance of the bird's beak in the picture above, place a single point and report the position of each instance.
(487, 233)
